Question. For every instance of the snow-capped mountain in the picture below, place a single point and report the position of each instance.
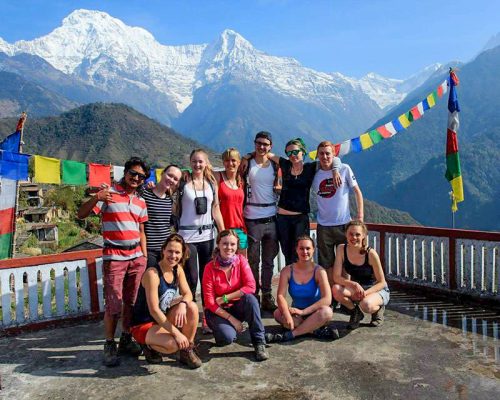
(130, 66)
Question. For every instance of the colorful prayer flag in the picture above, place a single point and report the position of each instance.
(14, 165)
(74, 172)
(384, 132)
(415, 113)
(453, 170)
(8, 189)
(159, 171)
(345, 148)
(397, 125)
(312, 155)
(118, 173)
(356, 145)
(99, 174)
(47, 170)
(403, 120)
(366, 141)
(431, 100)
(151, 177)
(11, 143)
(375, 136)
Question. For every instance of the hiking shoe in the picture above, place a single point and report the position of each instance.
(268, 303)
(279, 337)
(152, 356)
(205, 329)
(189, 357)
(326, 333)
(378, 317)
(260, 352)
(111, 358)
(356, 317)
(128, 345)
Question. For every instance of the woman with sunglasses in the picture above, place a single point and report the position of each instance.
(198, 209)
(232, 196)
(228, 287)
(293, 206)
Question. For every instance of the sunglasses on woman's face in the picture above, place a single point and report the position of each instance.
(292, 153)
(134, 174)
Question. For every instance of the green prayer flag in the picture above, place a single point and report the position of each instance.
(375, 136)
(74, 172)
(409, 115)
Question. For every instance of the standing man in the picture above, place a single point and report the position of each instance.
(260, 217)
(333, 206)
(123, 214)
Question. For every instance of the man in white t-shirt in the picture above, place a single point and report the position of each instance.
(333, 206)
(260, 217)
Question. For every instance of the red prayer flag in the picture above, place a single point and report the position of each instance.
(99, 174)
(416, 113)
(336, 149)
(384, 132)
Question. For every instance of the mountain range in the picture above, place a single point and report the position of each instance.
(209, 92)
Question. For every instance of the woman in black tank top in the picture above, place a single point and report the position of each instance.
(366, 289)
(165, 316)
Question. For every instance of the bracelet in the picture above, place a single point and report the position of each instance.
(225, 299)
(183, 301)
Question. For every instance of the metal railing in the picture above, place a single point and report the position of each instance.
(38, 291)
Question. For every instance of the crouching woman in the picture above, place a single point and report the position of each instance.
(228, 290)
(365, 291)
(307, 284)
(165, 317)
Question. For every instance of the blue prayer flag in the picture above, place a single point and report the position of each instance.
(11, 143)
(397, 125)
(356, 145)
(152, 176)
(425, 105)
(14, 165)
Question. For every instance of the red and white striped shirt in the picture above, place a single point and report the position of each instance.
(120, 224)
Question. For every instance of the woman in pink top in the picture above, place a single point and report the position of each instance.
(228, 290)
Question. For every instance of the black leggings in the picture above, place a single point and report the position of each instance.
(290, 227)
(200, 255)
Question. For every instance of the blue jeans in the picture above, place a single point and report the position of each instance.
(245, 309)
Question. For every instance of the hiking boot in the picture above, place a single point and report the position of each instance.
(111, 358)
(205, 329)
(378, 317)
(279, 337)
(260, 352)
(268, 303)
(326, 333)
(356, 317)
(190, 358)
(128, 345)
(152, 356)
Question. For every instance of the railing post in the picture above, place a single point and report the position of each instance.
(382, 251)
(452, 268)
(94, 296)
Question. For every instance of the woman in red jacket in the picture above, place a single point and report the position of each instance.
(228, 290)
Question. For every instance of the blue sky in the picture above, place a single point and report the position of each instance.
(392, 38)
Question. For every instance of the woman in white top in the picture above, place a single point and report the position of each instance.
(198, 209)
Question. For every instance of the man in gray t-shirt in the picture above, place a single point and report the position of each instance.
(333, 206)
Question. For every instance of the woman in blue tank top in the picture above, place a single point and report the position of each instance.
(366, 289)
(307, 284)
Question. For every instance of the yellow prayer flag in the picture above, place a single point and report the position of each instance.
(403, 118)
(158, 172)
(431, 101)
(47, 170)
(366, 141)
(313, 154)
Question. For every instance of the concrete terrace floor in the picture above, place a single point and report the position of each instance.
(408, 357)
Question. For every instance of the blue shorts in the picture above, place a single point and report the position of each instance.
(242, 236)
(385, 294)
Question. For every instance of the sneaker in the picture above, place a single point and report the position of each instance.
(326, 333)
(205, 329)
(190, 358)
(152, 356)
(268, 303)
(279, 337)
(356, 317)
(111, 358)
(378, 317)
(260, 352)
(128, 345)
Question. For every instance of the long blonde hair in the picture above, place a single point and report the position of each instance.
(208, 171)
(227, 154)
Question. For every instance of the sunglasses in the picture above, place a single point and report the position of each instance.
(293, 153)
(134, 174)
(258, 143)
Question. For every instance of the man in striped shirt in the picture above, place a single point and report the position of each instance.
(123, 215)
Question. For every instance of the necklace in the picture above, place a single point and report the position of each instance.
(297, 173)
(231, 183)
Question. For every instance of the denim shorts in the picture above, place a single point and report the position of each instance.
(385, 294)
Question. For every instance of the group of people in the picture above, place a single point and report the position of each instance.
(160, 241)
